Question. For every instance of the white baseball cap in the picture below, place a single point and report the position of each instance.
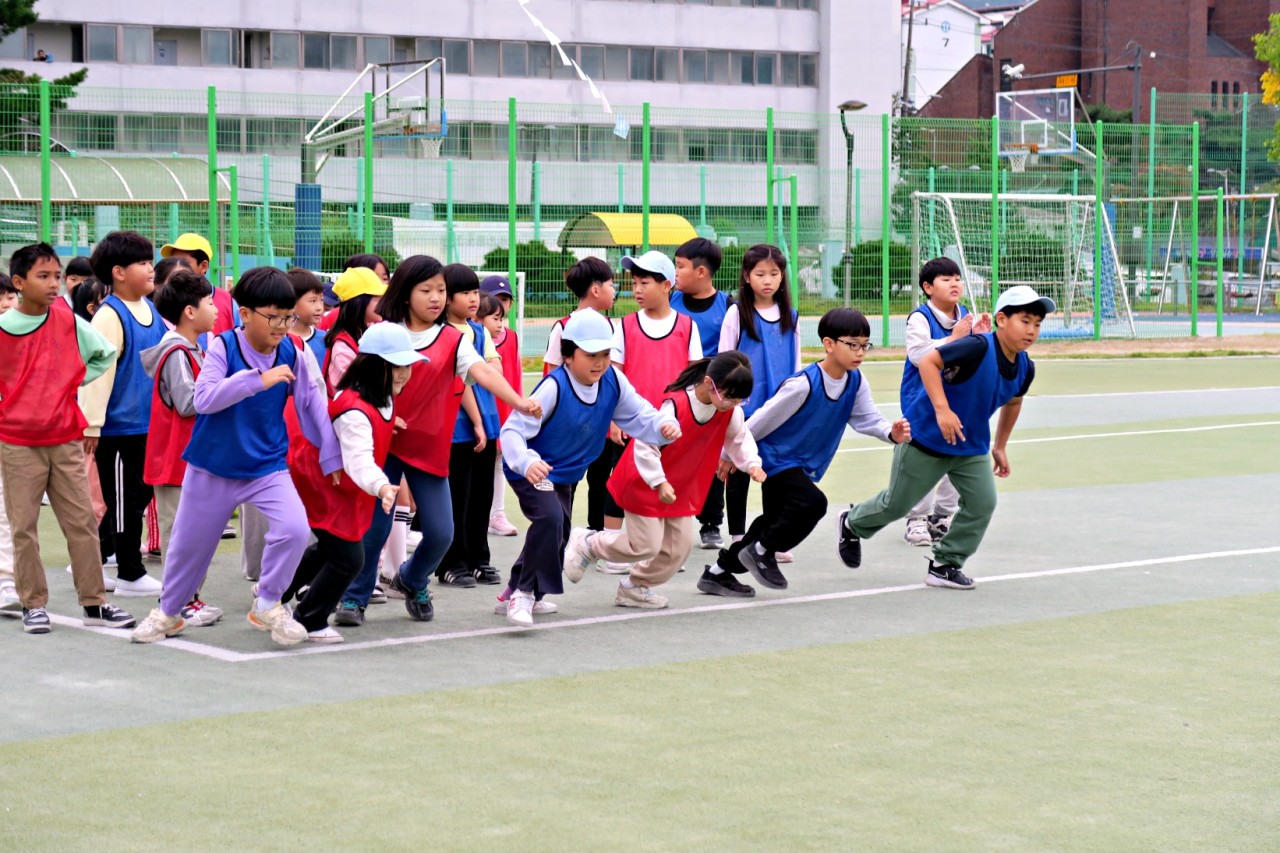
(653, 262)
(589, 330)
(390, 342)
(1017, 297)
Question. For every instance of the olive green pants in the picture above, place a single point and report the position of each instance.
(913, 475)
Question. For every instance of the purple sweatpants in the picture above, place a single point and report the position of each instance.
(203, 512)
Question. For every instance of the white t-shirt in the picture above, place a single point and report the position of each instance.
(553, 356)
(467, 355)
(655, 329)
(731, 329)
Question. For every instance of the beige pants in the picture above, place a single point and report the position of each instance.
(657, 546)
(167, 498)
(6, 540)
(59, 471)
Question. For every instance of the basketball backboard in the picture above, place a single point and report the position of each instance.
(1044, 119)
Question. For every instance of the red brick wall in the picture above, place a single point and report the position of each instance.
(969, 94)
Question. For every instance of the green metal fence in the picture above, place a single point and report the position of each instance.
(854, 201)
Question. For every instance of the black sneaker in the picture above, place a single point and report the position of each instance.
(724, 584)
(108, 616)
(848, 545)
(947, 576)
(711, 539)
(35, 620)
(417, 603)
(456, 577)
(486, 574)
(349, 614)
(763, 567)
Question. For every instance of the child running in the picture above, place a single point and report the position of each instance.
(547, 452)
(661, 489)
(763, 325)
(494, 316)
(310, 310)
(959, 387)
(798, 431)
(364, 419)
(237, 455)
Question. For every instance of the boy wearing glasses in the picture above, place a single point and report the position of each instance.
(237, 455)
(797, 432)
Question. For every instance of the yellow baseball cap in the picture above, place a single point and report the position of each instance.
(187, 243)
(358, 281)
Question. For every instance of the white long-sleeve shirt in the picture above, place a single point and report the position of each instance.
(739, 446)
(731, 328)
(920, 340)
(782, 406)
(633, 414)
(355, 437)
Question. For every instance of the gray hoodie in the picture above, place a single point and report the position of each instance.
(177, 382)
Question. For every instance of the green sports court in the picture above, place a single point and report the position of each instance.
(1109, 685)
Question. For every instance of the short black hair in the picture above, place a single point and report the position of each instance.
(184, 288)
(24, 259)
(167, 267)
(197, 255)
(412, 271)
(305, 281)
(79, 265)
(90, 292)
(265, 287)
(841, 322)
(119, 249)
(936, 267)
(367, 260)
(567, 349)
(6, 284)
(701, 252)
(370, 377)
(1035, 309)
(587, 272)
(460, 278)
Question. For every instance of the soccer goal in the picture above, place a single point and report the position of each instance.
(1045, 241)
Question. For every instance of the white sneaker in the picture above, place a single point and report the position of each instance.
(500, 526)
(918, 532)
(784, 557)
(144, 587)
(107, 580)
(639, 596)
(201, 615)
(279, 621)
(412, 540)
(325, 635)
(110, 562)
(10, 604)
(157, 626)
(577, 554)
(520, 610)
(608, 568)
(540, 608)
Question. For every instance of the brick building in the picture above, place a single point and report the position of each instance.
(1200, 46)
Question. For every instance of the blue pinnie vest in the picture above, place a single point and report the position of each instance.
(249, 439)
(911, 373)
(573, 434)
(974, 401)
(462, 429)
(773, 359)
(129, 409)
(316, 344)
(708, 322)
(809, 438)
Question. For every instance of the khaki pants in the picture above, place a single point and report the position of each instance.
(58, 471)
(6, 540)
(166, 510)
(657, 546)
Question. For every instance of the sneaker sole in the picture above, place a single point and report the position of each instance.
(711, 546)
(346, 623)
(325, 641)
(639, 605)
(130, 593)
(35, 629)
(493, 532)
(943, 583)
(750, 565)
(716, 589)
(923, 543)
(275, 638)
(518, 624)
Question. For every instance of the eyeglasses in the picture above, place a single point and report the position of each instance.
(279, 321)
(856, 346)
(721, 397)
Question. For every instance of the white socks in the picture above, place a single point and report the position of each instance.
(627, 584)
(264, 604)
(396, 551)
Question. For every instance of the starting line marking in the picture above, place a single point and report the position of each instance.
(229, 656)
(1095, 435)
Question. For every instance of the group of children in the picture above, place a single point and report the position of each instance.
(326, 426)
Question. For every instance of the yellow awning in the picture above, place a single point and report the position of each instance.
(625, 229)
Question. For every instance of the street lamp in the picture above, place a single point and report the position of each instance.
(846, 261)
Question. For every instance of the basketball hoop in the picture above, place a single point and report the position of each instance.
(431, 147)
(1019, 153)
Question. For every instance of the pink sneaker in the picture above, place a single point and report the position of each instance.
(499, 526)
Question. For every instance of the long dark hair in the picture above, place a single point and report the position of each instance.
(730, 371)
(88, 292)
(747, 315)
(370, 377)
(411, 272)
(369, 261)
(350, 319)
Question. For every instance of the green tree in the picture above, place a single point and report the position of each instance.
(20, 93)
(1266, 46)
(16, 14)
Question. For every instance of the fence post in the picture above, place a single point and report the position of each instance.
(622, 191)
(215, 263)
(1097, 230)
(451, 238)
(1244, 161)
(368, 172)
(1218, 291)
(994, 291)
(511, 189)
(795, 237)
(536, 200)
(1193, 295)
(885, 227)
(46, 166)
(233, 223)
(768, 176)
(1151, 186)
(268, 245)
(702, 199)
(646, 140)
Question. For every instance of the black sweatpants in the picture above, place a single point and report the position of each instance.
(121, 460)
(540, 567)
(599, 502)
(471, 493)
(793, 506)
(328, 566)
(735, 489)
(712, 515)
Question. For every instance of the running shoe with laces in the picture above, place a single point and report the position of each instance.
(520, 610)
(279, 621)
(199, 614)
(939, 526)
(639, 596)
(157, 626)
(848, 546)
(917, 532)
(349, 614)
(107, 616)
(724, 584)
(416, 602)
(10, 604)
(577, 554)
(711, 538)
(947, 576)
(540, 608)
(35, 620)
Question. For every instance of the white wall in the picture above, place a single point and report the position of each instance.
(945, 38)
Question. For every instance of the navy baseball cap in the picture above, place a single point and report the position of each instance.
(496, 285)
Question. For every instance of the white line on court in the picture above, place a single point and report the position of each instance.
(229, 656)
(1095, 435)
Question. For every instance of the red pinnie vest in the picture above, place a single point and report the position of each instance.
(343, 338)
(512, 369)
(169, 432)
(689, 463)
(651, 364)
(429, 403)
(40, 373)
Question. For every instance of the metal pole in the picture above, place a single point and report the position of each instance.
(646, 140)
(1193, 296)
(1219, 292)
(537, 200)
(233, 223)
(622, 208)
(46, 166)
(795, 239)
(360, 211)
(1244, 165)
(1097, 231)
(886, 160)
(451, 238)
(846, 264)
(994, 163)
(1151, 186)
(268, 245)
(933, 209)
(368, 172)
(769, 235)
(511, 189)
(215, 262)
(702, 196)
(857, 206)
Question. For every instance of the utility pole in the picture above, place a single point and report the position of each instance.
(906, 64)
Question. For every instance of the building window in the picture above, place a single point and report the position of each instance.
(284, 50)
(765, 68)
(667, 65)
(717, 66)
(515, 59)
(457, 57)
(591, 60)
(616, 64)
(217, 47)
(315, 51)
(425, 49)
(15, 46)
(102, 43)
(790, 69)
(377, 49)
(342, 53)
(641, 63)
(559, 70)
(808, 70)
(695, 66)
(485, 58)
(139, 46)
(744, 68)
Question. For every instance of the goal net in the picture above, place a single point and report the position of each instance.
(1045, 241)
